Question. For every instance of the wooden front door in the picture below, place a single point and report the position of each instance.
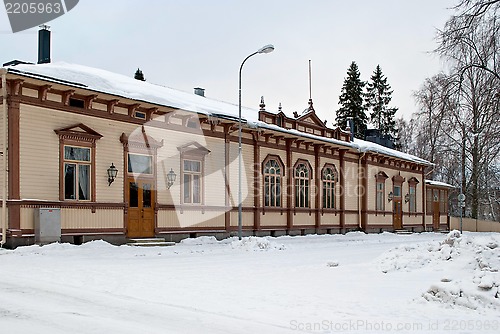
(141, 211)
(435, 215)
(397, 214)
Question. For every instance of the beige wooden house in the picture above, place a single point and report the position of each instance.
(66, 125)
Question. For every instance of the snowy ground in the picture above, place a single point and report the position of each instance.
(356, 283)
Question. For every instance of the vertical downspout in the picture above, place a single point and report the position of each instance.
(360, 198)
(4, 158)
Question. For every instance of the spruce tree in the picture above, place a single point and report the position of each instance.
(351, 101)
(377, 98)
(139, 75)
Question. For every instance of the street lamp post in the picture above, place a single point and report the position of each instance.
(265, 49)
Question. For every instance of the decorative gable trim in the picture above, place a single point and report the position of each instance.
(193, 148)
(312, 118)
(398, 179)
(78, 132)
(413, 181)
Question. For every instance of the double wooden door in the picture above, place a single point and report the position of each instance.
(141, 197)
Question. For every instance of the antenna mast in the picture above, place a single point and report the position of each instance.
(310, 89)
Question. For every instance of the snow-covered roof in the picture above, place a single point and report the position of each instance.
(103, 81)
(439, 184)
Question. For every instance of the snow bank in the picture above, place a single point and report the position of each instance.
(470, 265)
(257, 244)
(199, 241)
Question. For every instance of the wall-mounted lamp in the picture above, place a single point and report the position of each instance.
(171, 178)
(112, 172)
(407, 198)
(390, 196)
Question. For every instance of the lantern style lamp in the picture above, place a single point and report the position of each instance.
(112, 172)
(390, 196)
(407, 198)
(171, 178)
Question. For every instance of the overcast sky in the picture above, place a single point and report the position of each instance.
(201, 43)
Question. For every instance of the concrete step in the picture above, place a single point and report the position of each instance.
(149, 242)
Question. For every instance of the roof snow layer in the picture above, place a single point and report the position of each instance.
(103, 81)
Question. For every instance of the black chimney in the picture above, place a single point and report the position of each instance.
(199, 91)
(350, 122)
(44, 45)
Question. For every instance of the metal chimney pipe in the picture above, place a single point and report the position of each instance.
(44, 45)
(199, 91)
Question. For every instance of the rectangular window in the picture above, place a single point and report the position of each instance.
(430, 208)
(134, 194)
(76, 103)
(301, 193)
(146, 195)
(328, 195)
(413, 199)
(443, 201)
(192, 178)
(380, 196)
(397, 191)
(140, 115)
(140, 164)
(77, 171)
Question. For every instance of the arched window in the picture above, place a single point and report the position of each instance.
(273, 172)
(328, 178)
(302, 185)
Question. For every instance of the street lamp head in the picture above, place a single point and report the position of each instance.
(266, 49)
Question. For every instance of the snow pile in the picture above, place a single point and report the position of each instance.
(199, 241)
(480, 287)
(256, 244)
(97, 244)
(470, 263)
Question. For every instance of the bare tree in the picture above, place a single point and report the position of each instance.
(475, 21)
(435, 101)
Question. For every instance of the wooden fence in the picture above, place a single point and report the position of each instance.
(474, 225)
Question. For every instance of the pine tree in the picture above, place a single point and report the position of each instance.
(377, 98)
(139, 75)
(351, 101)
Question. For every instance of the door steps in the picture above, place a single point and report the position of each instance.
(402, 231)
(149, 242)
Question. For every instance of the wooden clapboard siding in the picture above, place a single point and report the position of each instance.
(27, 217)
(381, 219)
(39, 152)
(109, 150)
(330, 219)
(86, 219)
(273, 219)
(187, 219)
(303, 219)
(78, 218)
(372, 188)
(351, 187)
(246, 177)
(214, 173)
(246, 219)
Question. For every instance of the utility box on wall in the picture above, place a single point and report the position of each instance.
(47, 225)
